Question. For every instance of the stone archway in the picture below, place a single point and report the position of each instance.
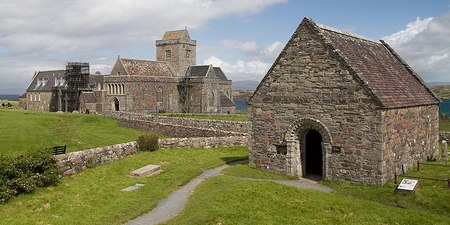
(116, 104)
(299, 135)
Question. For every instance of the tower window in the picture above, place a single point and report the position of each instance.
(188, 53)
(168, 54)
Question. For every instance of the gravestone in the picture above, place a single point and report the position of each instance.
(132, 188)
(146, 171)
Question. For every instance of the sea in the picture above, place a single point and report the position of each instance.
(444, 107)
(241, 105)
(9, 97)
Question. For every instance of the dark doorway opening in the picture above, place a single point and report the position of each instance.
(116, 104)
(312, 158)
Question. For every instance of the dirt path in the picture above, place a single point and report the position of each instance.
(172, 205)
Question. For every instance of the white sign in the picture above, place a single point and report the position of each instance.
(408, 185)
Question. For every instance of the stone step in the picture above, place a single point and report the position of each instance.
(146, 171)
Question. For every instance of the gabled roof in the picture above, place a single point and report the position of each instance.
(203, 70)
(146, 67)
(390, 81)
(197, 71)
(220, 74)
(89, 97)
(176, 35)
(225, 101)
(46, 80)
(381, 69)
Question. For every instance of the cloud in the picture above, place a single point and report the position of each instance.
(35, 35)
(424, 44)
(256, 60)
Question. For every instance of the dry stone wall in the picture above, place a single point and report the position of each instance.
(180, 127)
(74, 162)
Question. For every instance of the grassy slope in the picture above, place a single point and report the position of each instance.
(232, 200)
(95, 197)
(24, 130)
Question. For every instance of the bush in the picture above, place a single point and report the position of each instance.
(23, 173)
(148, 142)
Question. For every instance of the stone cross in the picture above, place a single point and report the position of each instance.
(444, 151)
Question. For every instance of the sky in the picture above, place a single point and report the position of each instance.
(243, 37)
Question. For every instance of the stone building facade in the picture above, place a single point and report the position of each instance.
(172, 83)
(339, 106)
(46, 92)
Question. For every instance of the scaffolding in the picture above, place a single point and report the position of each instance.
(184, 89)
(77, 79)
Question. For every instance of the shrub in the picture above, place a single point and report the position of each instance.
(23, 173)
(148, 142)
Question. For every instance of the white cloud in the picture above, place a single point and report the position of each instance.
(255, 62)
(424, 45)
(39, 34)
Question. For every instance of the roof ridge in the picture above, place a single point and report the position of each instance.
(332, 29)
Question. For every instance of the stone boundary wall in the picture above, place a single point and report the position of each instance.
(174, 130)
(74, 162)
(197, 126)
(444, 136)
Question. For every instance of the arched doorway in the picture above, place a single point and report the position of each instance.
(312, 154)
(308, 141)
(116, 104)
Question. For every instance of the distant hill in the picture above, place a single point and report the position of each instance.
(245, 85)
(438, 83)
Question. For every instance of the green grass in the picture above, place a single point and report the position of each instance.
(95, 197)
(237, 117)
(230, 199)
(24, 130)
(243, 170)
(444, 125)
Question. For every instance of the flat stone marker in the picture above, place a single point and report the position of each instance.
(145, 171)
(132, 188)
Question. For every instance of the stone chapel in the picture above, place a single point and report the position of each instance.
(339, 106)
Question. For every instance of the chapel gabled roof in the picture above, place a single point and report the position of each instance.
(176, 35)
(46, 80)
(388, 78)
(381, 69)
(140, 67)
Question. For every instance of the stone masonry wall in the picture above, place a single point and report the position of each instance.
(309, 81)
(410, 135)
(74, 162)
(187, 127)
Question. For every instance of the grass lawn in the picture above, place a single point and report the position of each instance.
(24, 130)
(95, 197)
(230, 199)
(237, 117)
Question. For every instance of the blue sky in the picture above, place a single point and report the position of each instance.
(242, 36)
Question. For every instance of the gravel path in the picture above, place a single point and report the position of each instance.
(171, 206)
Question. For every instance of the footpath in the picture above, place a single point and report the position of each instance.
(172, 205)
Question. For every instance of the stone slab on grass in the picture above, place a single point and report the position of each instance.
(146, 171)
(132, 188)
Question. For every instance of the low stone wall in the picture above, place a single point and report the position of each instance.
(190, 127)
(74, 162)
(204, 142)
(444, 136)
(174, 130)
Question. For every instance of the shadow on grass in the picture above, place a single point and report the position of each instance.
(235, 160)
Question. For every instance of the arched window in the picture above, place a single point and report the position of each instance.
(159, 95)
